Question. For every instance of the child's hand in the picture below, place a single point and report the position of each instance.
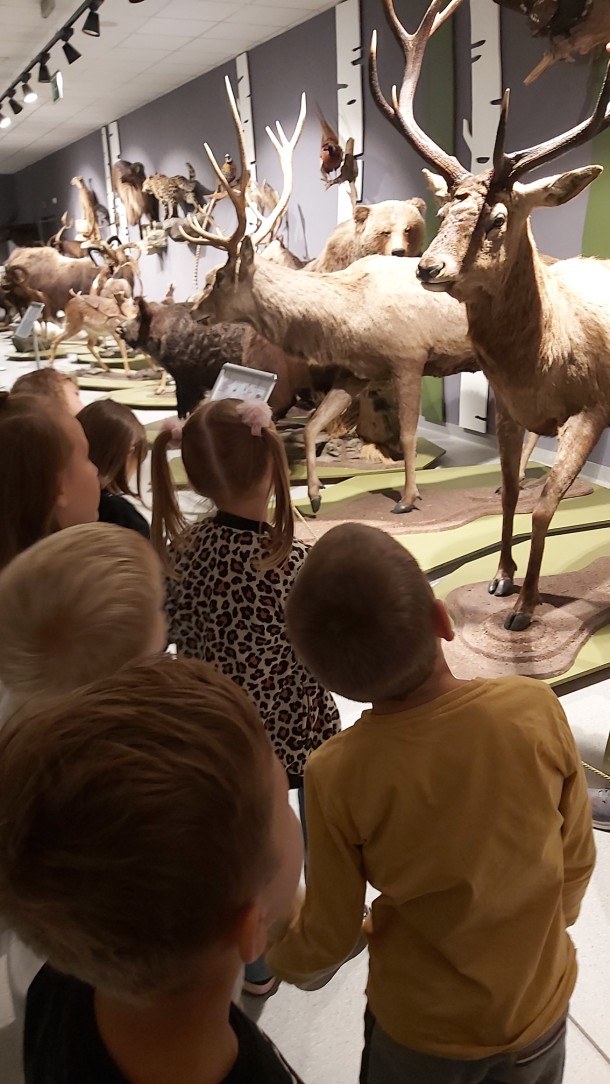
(175, 427)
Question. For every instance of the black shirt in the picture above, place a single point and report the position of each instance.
(115, 509)
(62, 1044)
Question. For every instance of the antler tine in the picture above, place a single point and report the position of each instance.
(501, 161)
(400, 113)
(519, 162)
(284, 148)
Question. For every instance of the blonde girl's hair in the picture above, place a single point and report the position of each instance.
(114, 434)
(224, 458)
(76, 607)
(34, 450)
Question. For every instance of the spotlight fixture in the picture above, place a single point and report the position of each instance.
(44, 75)
(29, 95)
(92, 22)
(71, 54)
(4, 120)
(14, 104)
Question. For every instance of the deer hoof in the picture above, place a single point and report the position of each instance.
(400, 508)
(501, 588)
(315, 504)
(517, 622)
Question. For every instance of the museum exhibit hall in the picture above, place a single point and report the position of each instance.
(305, 542)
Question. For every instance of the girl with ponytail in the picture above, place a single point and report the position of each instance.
(229, 576)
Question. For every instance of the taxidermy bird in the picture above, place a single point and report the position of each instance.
(331, 151)
(228, 169)
(349, 168)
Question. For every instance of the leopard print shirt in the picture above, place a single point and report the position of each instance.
(223, 610)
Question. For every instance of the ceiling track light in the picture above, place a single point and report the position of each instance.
(71, 54)
(14, 104)
(44, 75)
(29, 95)
(5, 121)
(91, 25)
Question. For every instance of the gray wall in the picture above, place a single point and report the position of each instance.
(44, 190)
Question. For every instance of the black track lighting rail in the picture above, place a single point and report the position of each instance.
(42, 58)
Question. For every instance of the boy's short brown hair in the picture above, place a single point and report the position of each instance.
(135, 824)
(74, 607)
(360, 615)
(45, 384)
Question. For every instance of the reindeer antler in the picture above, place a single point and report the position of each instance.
(508, 168)
(239, 196)
(400, 113)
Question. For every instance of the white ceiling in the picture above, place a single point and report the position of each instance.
(145, 50)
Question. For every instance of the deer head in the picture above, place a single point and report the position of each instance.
(227, 295)
(484, 217)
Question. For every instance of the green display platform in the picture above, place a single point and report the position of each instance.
(563, 553)
(141, 396)
(436, 550)
(112, 382)
(370, 478)
(140, 361)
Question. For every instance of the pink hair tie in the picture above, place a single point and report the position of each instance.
(256, 415)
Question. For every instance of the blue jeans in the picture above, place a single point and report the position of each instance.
(385, 1061)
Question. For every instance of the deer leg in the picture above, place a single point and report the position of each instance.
(92, 344)
(510, 442)
(65, 334)
(527, 450)
(577, 438)
(123, 351)
(408, 386)
(345, 388)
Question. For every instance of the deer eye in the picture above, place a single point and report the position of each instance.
(407, 229)
(497, 221)
(386, 233)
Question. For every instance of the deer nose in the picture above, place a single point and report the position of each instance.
(428, 272)
(399, 252)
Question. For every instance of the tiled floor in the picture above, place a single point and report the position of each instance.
(320, 1033)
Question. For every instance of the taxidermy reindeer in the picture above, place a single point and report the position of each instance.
(574, 27)
(356, 319)
(540, 332)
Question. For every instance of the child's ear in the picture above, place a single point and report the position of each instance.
(250, 934)
(442, 623)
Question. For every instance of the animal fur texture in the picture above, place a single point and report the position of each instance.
(373, 320)
(127, 181)
(194, 354)
(170, 191)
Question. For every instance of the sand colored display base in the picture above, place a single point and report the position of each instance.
(143, 396)
(562, 642)
(440, 509)
(44, 355)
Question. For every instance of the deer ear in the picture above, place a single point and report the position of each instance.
(554, 191)
(361, 213)
(437, 185)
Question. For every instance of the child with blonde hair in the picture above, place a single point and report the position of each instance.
(229, 577)
(464, 804)
(47, 480)
(146, 848)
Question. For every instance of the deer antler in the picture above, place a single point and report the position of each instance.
(239, 196)
(509, 167)
(400, 113)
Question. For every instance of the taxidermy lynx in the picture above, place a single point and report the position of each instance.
(170, 191)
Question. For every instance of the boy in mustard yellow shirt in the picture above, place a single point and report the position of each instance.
(464, 804)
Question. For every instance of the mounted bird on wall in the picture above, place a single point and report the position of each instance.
(574, 27)
(229, 170)
(331, 151)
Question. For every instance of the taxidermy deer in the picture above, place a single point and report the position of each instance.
(574, 27)
(355, 319)
(97, 316)
(540, 332)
